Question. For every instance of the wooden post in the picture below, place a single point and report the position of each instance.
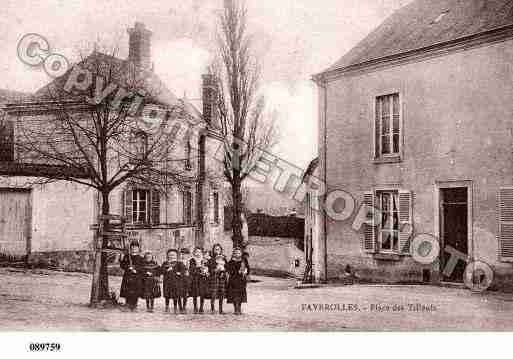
(95, 288)
(99, 232)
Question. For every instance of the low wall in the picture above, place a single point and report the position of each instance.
(276, 256)
(155, 240)
(273, 256)
(267, 255)
(70, 261)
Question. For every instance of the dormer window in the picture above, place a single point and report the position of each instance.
(141, 145)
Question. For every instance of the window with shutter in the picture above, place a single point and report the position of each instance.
(395, 227)
(155, 207)
(506, 224)
(142, 206)
(369, 233)
(388, 229)
(405, 220)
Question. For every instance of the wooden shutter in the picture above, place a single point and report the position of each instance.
(128, 199)
(405, 221)
(187, 206)
(155, 206)
(6, 141)
(377, 128)
(369, 230)
(216, 207)
(506, 224)
(211, 207)
(184, 206)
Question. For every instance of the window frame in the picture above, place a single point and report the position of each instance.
(378, 126)
(136, 203)
(380, 230)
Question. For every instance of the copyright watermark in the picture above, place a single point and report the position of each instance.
(34, 50)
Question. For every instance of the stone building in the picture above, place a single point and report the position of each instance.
(50, 222)
(416, 121)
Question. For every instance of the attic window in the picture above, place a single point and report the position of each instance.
(440, 17)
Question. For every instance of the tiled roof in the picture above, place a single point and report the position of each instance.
(156, 90)
(424, 23)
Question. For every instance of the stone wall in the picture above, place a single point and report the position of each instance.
(275, 256)
(270, 255)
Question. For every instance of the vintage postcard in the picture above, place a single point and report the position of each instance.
(235, 166)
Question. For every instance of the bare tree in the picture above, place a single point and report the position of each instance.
(103, 123)
(246, 129)
(245, 192)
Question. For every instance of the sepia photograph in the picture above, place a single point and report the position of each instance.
(255, 166)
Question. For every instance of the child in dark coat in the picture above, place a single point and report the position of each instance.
(238, 270)
(198, 272)
(131, 284)
(174, 281)
(217, 278)
(185, 256)
(150, 281)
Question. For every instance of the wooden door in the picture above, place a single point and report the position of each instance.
(454, 221)
(14, 222)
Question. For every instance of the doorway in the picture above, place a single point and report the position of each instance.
(454, 227)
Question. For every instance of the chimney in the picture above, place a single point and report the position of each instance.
(209, 97)
(139, 46)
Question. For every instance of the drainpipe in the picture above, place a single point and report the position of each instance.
(325, 179)
(323, 86)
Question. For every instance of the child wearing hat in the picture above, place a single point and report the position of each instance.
(150, 281)
(131, 284)
(174, 286)
(238, 270)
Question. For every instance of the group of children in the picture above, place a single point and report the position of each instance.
(207, 275)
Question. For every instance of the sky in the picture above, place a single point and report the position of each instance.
(294, 39)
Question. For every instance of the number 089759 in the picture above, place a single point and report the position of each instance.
(44, 347)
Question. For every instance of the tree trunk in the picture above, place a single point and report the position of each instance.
(100, 286)
(104, 275)
(237, 209)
